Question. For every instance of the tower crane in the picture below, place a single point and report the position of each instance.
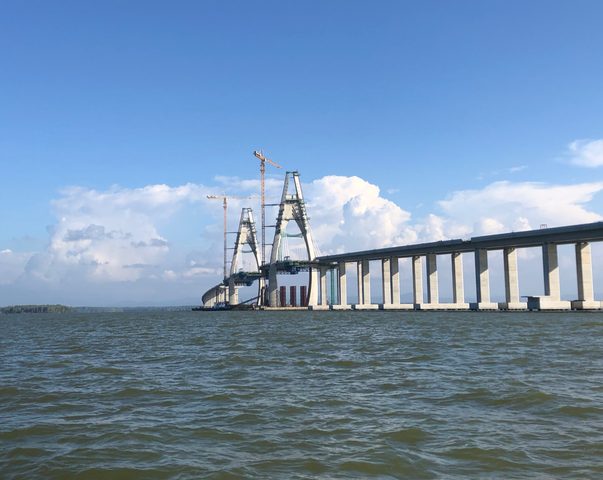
(263, 160)
(225, 199)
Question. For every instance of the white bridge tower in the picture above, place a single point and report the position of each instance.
(292, 207)
(246, 235)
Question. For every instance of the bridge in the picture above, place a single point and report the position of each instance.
(423, 259)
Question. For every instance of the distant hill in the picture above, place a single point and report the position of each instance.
(36, 309)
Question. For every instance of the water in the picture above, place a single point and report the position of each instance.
(301, 395)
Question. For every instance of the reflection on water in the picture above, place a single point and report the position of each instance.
(302, 395)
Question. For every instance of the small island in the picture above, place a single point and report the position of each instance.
(36, 309)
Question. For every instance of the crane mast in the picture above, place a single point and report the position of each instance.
(263, 161)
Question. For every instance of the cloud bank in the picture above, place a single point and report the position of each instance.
(136, 245)
(506, 206)
(111, 235)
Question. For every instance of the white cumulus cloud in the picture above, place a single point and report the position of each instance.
(506, 206)
(111, 235)
(349, 213)
(586, 153)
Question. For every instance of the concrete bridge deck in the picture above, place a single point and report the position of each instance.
(588, 232)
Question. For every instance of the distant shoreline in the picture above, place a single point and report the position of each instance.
(16, 309)
(35, 309)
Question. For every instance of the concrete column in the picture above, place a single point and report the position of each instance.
(552, 290)
(395, 280)
(366, 283)
(386, 282)
(584, 270)
(550, 266)
(273, 286)
(482, 282)
(233, 293)
(323, 286)
(458, 285)
(342, 284)
(359, 283)
(432, 279)
(482, 276)
(512, 299)
(584, 275)
(261, 291)
(364, 287)
(314, 285)
(417, 280)
(511, 277)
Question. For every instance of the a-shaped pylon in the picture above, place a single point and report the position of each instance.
(292, 207)
(246, 235)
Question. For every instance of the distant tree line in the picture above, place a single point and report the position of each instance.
(36, 309)
(65, 309)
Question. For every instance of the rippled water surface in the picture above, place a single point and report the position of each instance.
(301, 395)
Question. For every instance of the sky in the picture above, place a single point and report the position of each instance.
(408, 121)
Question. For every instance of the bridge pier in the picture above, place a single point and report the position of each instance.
(433, 295)
(482, 282)
(323, 304)
(458, 283)
(272, 286)
(390, 272)
(417, 281)
(364, 287)
(323, 287)
(359, 289)
(262, 295)
(552, 288)
(313, 287)
(233, 292)
(512, 300)
(584, 275)
(386, 282)
(395, 281)
(342, 289)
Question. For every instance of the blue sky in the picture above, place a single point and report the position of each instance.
(422, 99)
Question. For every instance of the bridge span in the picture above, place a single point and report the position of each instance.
(509, 243)
(423, 259)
